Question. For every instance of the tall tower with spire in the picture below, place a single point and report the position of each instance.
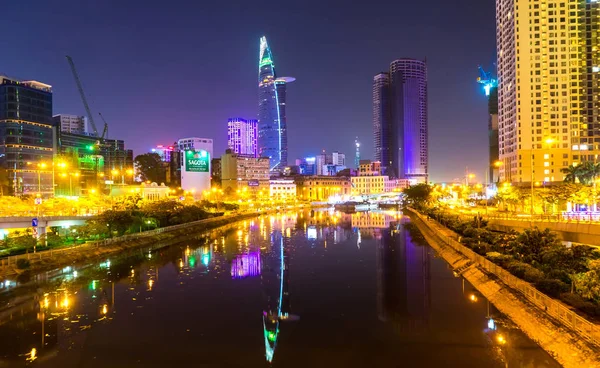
(272, 120)
(357, 156)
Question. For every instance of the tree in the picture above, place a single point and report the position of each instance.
(418, 194)
(531, 243)
(149, 166)
(588, 284)
(120, 221)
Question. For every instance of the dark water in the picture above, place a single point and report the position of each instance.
(295, 290)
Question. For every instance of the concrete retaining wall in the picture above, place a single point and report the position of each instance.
(564, 344)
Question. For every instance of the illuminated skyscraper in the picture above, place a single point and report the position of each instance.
(242, 136)
(272, 122)
(548, 77)
(400, 119)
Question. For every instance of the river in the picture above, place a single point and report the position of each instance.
(300, 289)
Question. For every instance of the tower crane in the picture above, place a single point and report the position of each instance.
(487, 79)
(105, 130)
(82, 95)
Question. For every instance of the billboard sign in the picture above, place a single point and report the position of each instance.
(253, 183)
(197, 161)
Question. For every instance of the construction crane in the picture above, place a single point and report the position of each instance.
(82, 94)
(105, 130)
(487, 79)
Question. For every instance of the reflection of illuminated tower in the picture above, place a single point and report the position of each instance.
(275, 282)
(403, 281)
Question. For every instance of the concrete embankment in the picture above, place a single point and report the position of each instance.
(47, 260)
(564, 344)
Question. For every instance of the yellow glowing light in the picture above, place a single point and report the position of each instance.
(549, 140)
(65, 302)
(150, 284)
(32, 354)
(473, 297)
(498, 163)
(501, 339)
(104, 309)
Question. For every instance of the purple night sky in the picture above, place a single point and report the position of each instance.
(159, 71)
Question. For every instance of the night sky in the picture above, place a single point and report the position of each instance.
(163, 70)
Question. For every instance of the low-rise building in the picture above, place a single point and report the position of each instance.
(322, 188)
(147, 191)
(242, 171)
(365, 185)
(282, 189)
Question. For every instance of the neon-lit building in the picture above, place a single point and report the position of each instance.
(400, 119)
(272, 120)
(164, 152)
(27, 135)
(242, 136)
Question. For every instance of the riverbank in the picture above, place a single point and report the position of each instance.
(51, 259)
(567, 346)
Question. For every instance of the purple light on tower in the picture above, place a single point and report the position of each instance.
(242, 136)
(245, 265)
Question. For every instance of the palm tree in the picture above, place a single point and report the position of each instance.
(573, 173)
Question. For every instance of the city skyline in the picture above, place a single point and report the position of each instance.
(331, 100)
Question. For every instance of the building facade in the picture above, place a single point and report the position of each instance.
(164, 151)
(321, 188)
(400, 119)
(242, 136)
(27, 137)
(195, 160)
(272, 119)
(548, 81)
(282, 189)
(244, 173)
(71, 123)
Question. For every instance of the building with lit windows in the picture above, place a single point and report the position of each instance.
(242, 136)
(548, 82)
(71, 123)
(282, 189)
(165, 152)
(245, 173)
(321, 188)
(400, 120)
(272, 119)
(27, 136)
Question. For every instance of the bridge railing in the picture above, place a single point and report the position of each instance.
(562, 313)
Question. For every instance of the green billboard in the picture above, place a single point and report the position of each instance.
(197, 161)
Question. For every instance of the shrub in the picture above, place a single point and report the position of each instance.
(23, 264)
(552, 287)
(533, 275)
(500, 259)
(518, 268)
(579, 303)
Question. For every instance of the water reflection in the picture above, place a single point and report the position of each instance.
(119, 310)
(404, 279)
